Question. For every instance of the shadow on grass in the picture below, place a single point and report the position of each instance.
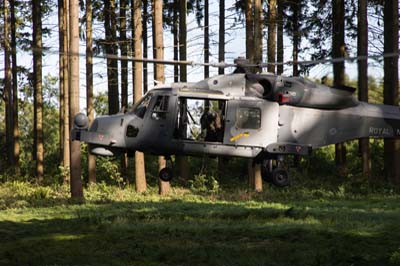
(179, 232)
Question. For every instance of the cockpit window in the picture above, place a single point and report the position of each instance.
(140, 108)
(160, 109)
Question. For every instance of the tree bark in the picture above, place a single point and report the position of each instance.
(182, 38)
(175, 32)
(89, 85)
(145, 48)
(16, 134)
(124, 53)
(280, 48)
(258, 26)
(124, 76)
(164, 187)
(61, 75)
(362, 51)
(221, 70)
(391, 84)
(338, 51)
(7, 94)
(76, 181)
(38, 94)
(140, 172)
(66, 75)
(249, 31)
(296, 37)
(206, 39)
(112, 64)
(182, 160)
(271, 35)
(221, 36)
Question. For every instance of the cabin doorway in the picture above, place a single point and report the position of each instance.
(200, 120)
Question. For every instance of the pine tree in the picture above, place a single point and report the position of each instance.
(38, 94)
(89, 84)
(7, 93)
(272, 35)
(140, 173)
(76, 181)
(338, 51)
(164, 187)
(391, 83)
(16, 134)
(362, 51)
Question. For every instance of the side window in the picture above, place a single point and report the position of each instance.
(141, 108)
(160, 108)
(248, 118)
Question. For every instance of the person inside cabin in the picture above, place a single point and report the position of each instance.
(211, 125)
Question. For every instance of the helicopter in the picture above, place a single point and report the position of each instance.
(264, 117)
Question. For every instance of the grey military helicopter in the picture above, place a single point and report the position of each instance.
(263, 116)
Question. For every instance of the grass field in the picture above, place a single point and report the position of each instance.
(38, 226)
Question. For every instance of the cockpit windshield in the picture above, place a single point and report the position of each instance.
(141, 107)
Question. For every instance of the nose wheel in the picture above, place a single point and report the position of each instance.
(166, 174)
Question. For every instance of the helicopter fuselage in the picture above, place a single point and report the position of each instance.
(239, 115)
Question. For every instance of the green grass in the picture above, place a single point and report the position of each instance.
(38, 226)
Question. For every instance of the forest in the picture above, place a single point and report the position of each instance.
(61, 205)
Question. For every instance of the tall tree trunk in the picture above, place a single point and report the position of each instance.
(183, 38)
(76, 181)
(338, 51)
(89, 85)
(221, 36)
(258, 27)
(221, 70)
(8, 84)
(206, 39)
(391, 84)
(16, 146)
(140, 172)
(164, 187)
(362, 50)
(145, 48)
(66, 75)
(271, 35)
(124, 53)
(182, 160)
(280, 48)
(124, 76)
(296, 37)
(249, 31)
(175, 25)
(112, 64)
(37, 70)
(61, 75)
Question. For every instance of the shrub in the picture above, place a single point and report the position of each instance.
(204, 183)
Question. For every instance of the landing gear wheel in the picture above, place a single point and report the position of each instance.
(166, 174)
(280, 177)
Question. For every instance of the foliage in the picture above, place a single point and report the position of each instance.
(204, 183)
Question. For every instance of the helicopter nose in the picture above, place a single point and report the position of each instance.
(81, 121)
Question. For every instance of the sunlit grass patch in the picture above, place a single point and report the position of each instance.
(117, 226)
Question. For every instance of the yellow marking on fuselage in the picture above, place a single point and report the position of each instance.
(238, 136)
